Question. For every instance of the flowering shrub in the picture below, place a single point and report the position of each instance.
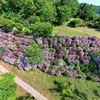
(76, 57)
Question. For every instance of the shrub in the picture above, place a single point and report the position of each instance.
(20, 28)
(16, 17)
(75, 23)
(41, 29)
(34, 53)
(32, 19)
(6, 24)
(9, 25)
(7, 87)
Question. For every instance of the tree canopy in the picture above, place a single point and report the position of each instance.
(25, 13)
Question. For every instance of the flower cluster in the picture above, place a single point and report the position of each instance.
(62, 54)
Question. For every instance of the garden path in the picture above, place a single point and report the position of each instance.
(25, 86)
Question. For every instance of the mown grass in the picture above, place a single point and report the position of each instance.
(44, 83)
(80, 31)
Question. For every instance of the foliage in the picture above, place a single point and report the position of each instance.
(87, 12)
(34, 53)
(96, 23)
(75, 23)
(66, 9)
(64, 13)
(8, 87)
(27, 97)
(46, 10)
(16, 17)
(6, 24)
(31, 20)
(33, 15)
(41, 29)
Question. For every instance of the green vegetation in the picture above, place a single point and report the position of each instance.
(96, 23)
(47, 85)
(80, 90)
(87, 12)
(41, 29)
(34, 53)
(75, 23)
(39, 16)
(78, 31)
(51, 86)
(8, 87)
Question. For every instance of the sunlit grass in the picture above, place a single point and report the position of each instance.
(80, 31)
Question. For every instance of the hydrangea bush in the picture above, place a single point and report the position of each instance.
(76, 57)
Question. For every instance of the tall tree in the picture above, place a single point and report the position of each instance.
(87, 12)
(46, 10)
(66, 9)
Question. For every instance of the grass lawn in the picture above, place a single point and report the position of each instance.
(44, 83)
(81, 31)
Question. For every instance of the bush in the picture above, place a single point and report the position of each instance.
(6, 24)
(41, 29)
(34, 53)
(31, 20)
(7, 87)
(16, 17)
(75, 23)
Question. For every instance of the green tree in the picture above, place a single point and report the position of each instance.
(66, 9)
(96, 23)
(46, 10)
(7, 87)
(73, 4)
(87, 12)
(23, 7)
(64, 13)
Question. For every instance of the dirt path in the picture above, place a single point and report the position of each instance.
(25, 86)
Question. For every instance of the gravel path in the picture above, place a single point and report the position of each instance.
(25, 86)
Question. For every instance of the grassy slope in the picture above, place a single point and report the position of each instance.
(81, 31)
(44, 83)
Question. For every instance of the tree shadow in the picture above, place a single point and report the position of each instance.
(96, 93)
(58, 89)
(98, 30)
(80, 95)
(26, 97)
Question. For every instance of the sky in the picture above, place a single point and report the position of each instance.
(94, 2)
